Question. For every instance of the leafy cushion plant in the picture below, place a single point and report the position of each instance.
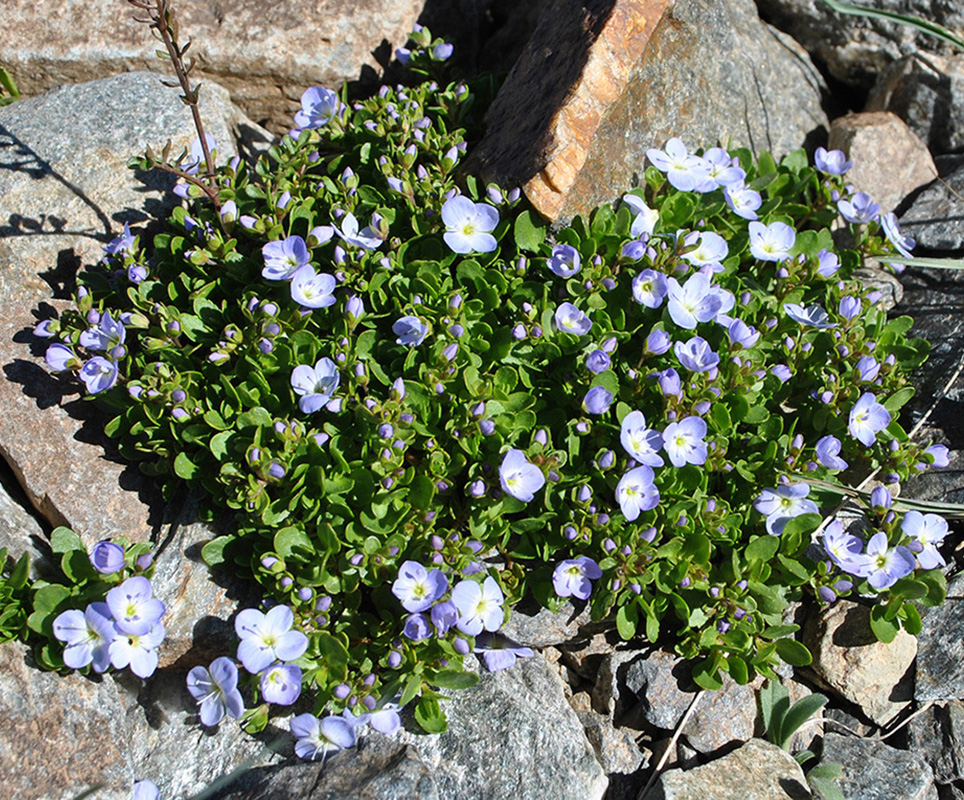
(420, 405)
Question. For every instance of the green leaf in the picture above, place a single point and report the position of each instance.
(884, 629)
(213, 551)
(762, 548)
(897, 400)
(291, 541)
(453, 679)
(48, 601)
(706, 674)
(799, 713)
(412, 688)
(794, 653)
(627, 617)
(63, 540)
(429, 715)
(529, 231)
(184, 467)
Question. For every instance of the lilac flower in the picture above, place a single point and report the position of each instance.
(499, 652)
(282, 259)
(42, 329)
(885, 566)
(723, 169)
(266, 638)
(742, 334)
(312, 289)
(138, 651)
(570, 319)
(683, 441)
(597, 400)
(743, 201)
(316, 738)
(636, 493)
(368, 238)
(683, 170)
(444, 615)
(649, 288)
(771, 242)
(107, 334)
(832, 162)
(216, 690)
(813, 315)
(107, 557)
(849, 307)
(597, 361)
(782, 504)
(844, 550)
(418, 588)
(479, 606)
(828, 453)
(658, 342)
(929, 531)
(442, 51)
(468, 225)
(641, 442)
(669, 382)
(146, 790)
(904, 244)
(98, 374)
(196, 154)
(87, 634)
(320, 235)
(318, 107)
(781, 372)
(867, 369)
(693, 302)
(644, 217)
(712, 249)
(417, 627)
(859, 209)
(827, 264)
(133, 606)
(696, 355)
(385, 719)
(281, 684)
(867, 419)
(571, 578)
(564, 261)
(939, 453)
(881, 499)
(315, 385)
(520, 478)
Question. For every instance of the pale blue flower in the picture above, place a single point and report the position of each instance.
(742, 200)
(742, 334)
(266, 638)
(929, 531)
(784, 503)
(519, 477)
(683, 170)
(418, 588)
(411, 331)
(281, 684)
(571, 578)
(696, 354)
(693, 302)
(282, 259)
(867, 419)
(318, 107)
(597, 400)
(368, 238)
(133, 606)
(650, 288)
(658, 342)
(312, 289)
(564, 261)
(827, 263)
(712, 249)
(669, 382)
(88, 636)
(812, 315)
(683, 441)
(939, 454)
(570, 319)
(771, 242)
(138, 651)
(723, 169)
(849, 307)
(644, 217)
(904, 244)
(107, 557)
(146, 790)
(98, 374)
(468, 225)
(122, 244)
(216, 690)
(196, 154)
(444, 615)
(828, 453)
(868, 369)
(598, 361)
(640, 441)
(845, 551)
(859, 209)
(316, 738)
(499, 652)
(417, 627)
(831, 162)
(479, 606)
(885, 565)
(315, 385)
(636, 493)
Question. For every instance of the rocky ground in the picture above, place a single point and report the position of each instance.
(590, 86)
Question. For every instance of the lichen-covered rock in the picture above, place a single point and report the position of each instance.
(936, 216)
(940, 649)
(938, 735)
(599, 83)
(874, 770)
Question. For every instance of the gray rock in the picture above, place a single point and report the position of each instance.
(758, 770)
(890, 161)
(928, 94)
(60, 734)
(875, 771)
(935, 218)
(20, 533)
(938, 735)
(940, 648)
(850, 661)
(264, 51)
(616, 748)
(545, 628)
(855, 49)
(601, 82)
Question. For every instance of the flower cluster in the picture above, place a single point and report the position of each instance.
(421, 405)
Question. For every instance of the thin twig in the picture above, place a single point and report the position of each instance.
(672, 743)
